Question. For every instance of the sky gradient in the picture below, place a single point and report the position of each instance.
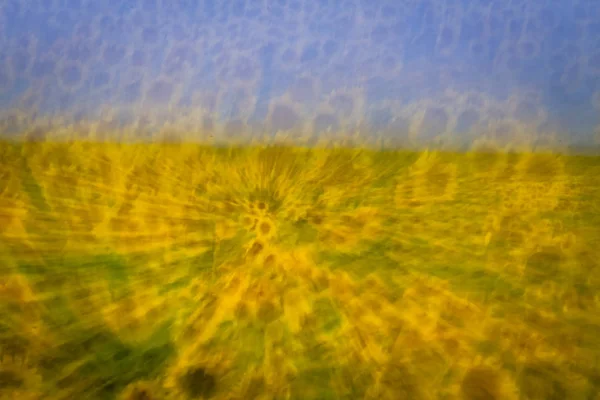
(415, 70)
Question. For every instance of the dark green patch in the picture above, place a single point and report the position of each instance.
(327, 315)
(10, 380)
(313, 383)
(198, 383)
(539, 381)
(543, 265)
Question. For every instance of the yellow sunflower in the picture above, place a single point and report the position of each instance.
(542, 256)
(538, 184)
(19, 380)
(252, 385)
(87, 299)
(430, 180)
(198, 375)
(486, 158)
(141, 390)
(14, 204)
(136, 315)
(18, 299)
(347, 231)
(483, 379)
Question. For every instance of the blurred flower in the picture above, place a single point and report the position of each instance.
(538, 184)
(430, 180)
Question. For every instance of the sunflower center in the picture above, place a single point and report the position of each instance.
(198, 383)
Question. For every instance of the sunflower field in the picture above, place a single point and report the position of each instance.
(148, 271)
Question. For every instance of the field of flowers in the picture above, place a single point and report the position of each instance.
(188, 271)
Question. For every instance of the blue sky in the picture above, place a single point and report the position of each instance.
(423, 69)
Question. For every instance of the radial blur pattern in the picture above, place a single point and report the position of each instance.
(261, 200)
